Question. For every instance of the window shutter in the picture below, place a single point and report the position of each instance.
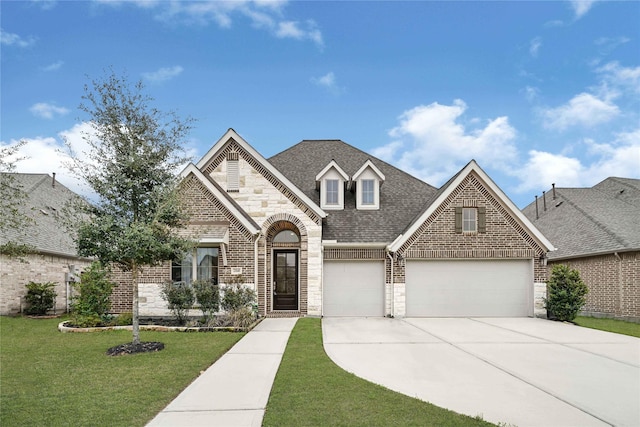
(458, 220)
(482, 222)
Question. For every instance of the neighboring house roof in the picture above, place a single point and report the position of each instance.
(590, 221)
(402, 197)
(441, 195)
(232, 134)
(45, 202)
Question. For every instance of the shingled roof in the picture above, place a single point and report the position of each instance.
(402, 196)
(589, 221)
(44, 204)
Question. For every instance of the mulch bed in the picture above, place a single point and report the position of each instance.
(131, 348)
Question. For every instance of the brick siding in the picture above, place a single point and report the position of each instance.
(613, 282)
(14, 275)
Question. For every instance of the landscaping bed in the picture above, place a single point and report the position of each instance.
(160, 325)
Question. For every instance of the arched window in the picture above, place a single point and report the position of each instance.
(286, 236)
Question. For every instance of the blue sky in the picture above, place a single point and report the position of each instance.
(535, 92)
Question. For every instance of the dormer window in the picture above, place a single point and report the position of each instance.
(367, 181)
(331, 181)
(368, 193)
(332, 193)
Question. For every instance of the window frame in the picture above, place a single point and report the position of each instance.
(327, 200)
(195, 273)
(469, 222)
(368, 192)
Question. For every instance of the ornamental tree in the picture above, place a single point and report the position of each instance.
(567, 293)
(134, 151)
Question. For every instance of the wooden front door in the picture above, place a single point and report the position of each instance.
(285, 279)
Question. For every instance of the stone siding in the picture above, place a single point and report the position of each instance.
(613, 282)
(14, 275)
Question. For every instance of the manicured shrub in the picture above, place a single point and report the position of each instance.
(180, 298)
(237, 296)
(86, 321)
(566, 293)
(124, 319)
(208, 296)
(41, 297)
(94, 292)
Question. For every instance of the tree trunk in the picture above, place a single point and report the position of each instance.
(135, 312)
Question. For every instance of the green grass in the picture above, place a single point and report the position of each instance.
(48, 378)
(609, 325)
(311, 390)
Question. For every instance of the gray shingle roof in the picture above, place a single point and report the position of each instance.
(584, 221)
(44, 204)
(402, 196)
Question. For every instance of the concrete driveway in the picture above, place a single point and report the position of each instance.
(519, 371)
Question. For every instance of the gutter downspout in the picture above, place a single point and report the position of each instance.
(255, 261)
(393, 294)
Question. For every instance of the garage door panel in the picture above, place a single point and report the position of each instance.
(481, 288)
(353, 288)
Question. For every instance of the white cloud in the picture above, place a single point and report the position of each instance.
(328, 81)
(531, 93)
(163, 74)
(53, 66)
(534, 46)
(47, 111)
(581, 7)
(618, 76)
(263, 14)
(608, 44)
(11, 39)
(583, 109)
(620, 157)
(431, 143)
(48, 155)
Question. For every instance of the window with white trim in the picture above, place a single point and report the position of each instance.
(469, 220)
(368, 191)
(200, 264)
(332, 193)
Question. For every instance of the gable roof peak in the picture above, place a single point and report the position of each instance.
(332, 165)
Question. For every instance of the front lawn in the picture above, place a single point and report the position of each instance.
(311, 390)
(53, 379)
(609, 325)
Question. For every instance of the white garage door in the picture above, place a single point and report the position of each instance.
(353, 288)
(480, 288)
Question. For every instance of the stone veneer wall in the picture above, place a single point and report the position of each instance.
(267, 201)
(14, 275)
(613, 282)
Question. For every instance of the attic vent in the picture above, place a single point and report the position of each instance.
(558, 204)
(44, 212)
(233, 172)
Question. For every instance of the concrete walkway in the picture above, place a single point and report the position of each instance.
(519, 371)
(234, 390)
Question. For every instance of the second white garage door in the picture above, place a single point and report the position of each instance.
(353, 288)
(480, 288)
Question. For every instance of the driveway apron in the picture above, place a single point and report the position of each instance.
(234, 390)
(518, 371)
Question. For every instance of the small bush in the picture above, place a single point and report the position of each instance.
(566, 293)
(41, 297)
(86, 321)
(94, 292)
(180, 298)
(208, 296)
(237, 296)
(124, 319)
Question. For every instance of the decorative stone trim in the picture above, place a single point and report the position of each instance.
(354, 254)
(157, 328)
(472, 253)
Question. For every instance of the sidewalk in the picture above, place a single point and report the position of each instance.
(235, 389)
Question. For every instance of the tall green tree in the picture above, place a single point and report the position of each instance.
(134, 151)
(12, 200)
